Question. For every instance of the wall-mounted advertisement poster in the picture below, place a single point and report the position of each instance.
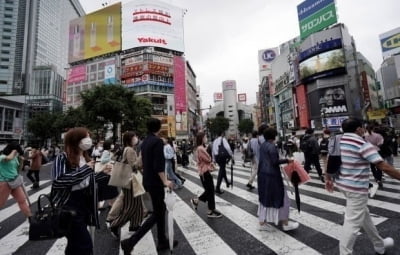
(333, 99)
(322, 65)
(390, 42)
(152, 23)
(180, 94)
(109, 74)
(95, 34)
(76, 74)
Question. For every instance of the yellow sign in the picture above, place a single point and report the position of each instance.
(377, 114)
(103, 31)
(171, 126)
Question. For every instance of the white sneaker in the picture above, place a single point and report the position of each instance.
(264, 227)
(373, 190)
(387, 243)
(290, 226)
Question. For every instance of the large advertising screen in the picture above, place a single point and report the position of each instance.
(333, 99)
(180, 94)
(323, 65)
(95, 34)
(315, 15)
(152, 23)
(390, 42)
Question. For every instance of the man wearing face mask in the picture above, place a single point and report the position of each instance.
(154, 181)
(353, 182)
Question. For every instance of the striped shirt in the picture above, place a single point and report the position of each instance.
(356, 155)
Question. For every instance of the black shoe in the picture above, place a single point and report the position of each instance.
(183, 181)
(380, 184)
(195, 203)
(250, 186)
(165, 245)
(219, 192)
(35, 185)
(126, 247)
(228, 184)
(321, 177)
(115, 232)
(214, 214)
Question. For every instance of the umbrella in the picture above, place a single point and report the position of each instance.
(295, 179)
(170, 200)
(232, 174)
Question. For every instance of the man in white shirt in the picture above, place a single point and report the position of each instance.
(221, 161)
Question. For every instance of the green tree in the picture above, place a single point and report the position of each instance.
(246, 126)
(42, 126)
(136, 114)
(217, 125)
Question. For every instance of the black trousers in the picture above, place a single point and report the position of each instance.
(312, 159)
(36, 173)
(376, 172)
(221, 173)
(78, 237)
(157, 217)
(208, 194)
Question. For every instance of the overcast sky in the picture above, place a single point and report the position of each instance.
(222, 37)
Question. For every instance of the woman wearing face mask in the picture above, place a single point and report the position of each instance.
(74, 188)
(204, 164)
(127, 207)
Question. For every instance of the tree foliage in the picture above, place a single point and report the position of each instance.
(246, 126)
(42, 126)
(217, 125)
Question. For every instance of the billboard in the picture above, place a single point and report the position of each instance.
(390, 42)
(109, 74)
(266, 57)
(323, 65)
(242, 97)
(180, 94)
(76, 74)
(218, 96)
(333, 99)
(152, 23)
(302, 106)
(315, 15)
(95, 34)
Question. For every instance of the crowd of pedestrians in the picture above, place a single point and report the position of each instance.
(81, 173)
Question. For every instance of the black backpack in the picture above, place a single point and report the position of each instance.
(249, 151)
(223, 154)
(305, 144)
(323, 146)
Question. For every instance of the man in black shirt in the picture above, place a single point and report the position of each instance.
(154, 180)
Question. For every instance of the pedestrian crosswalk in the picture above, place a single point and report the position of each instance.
(320, 219)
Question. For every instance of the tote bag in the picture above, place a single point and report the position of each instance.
(121, 174)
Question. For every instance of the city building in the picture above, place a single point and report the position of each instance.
(143, 54)
(34, 51)
(231, 108)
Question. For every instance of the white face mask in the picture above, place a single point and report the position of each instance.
(85, 144)
(135, 140)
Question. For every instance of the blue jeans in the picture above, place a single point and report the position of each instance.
(170, 173)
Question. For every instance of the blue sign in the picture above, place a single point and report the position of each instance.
(320, 47)
(269, 55)
(310, 7)
(141, 83)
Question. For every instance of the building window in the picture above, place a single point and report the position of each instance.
(3, 67)
(9, 23)
(5, 52)
(8, 16)
(6, 44)
(3, 82)
(8, 120)
(5, 37)
(8, 9)
(9, 2)
(7, 30)
(5, 59)
(17, 114)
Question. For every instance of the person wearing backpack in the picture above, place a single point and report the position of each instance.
(323, 146)
(353, 181)
(221, 154)
(309, 146)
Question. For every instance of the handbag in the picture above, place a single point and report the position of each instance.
(121, 174)
(137, 184)
(17, 182)
(49, 222)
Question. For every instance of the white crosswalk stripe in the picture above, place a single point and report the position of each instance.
(322, 213)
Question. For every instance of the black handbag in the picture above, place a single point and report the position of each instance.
(49, 222)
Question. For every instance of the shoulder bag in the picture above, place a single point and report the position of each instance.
(49, 222)
(121, 174)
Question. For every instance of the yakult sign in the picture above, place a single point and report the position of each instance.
(315, 15)
(152, 23)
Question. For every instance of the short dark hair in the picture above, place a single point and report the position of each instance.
(12, 146)
(350, 125)
(310, 131)
(107, 145)
(254, 134)
(270, 133)
(262, 128)
(199, 138)
(153, 125)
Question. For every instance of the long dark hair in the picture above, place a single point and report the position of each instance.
(127, 138)
(71, 142)
(12, 146)
(199, 138)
